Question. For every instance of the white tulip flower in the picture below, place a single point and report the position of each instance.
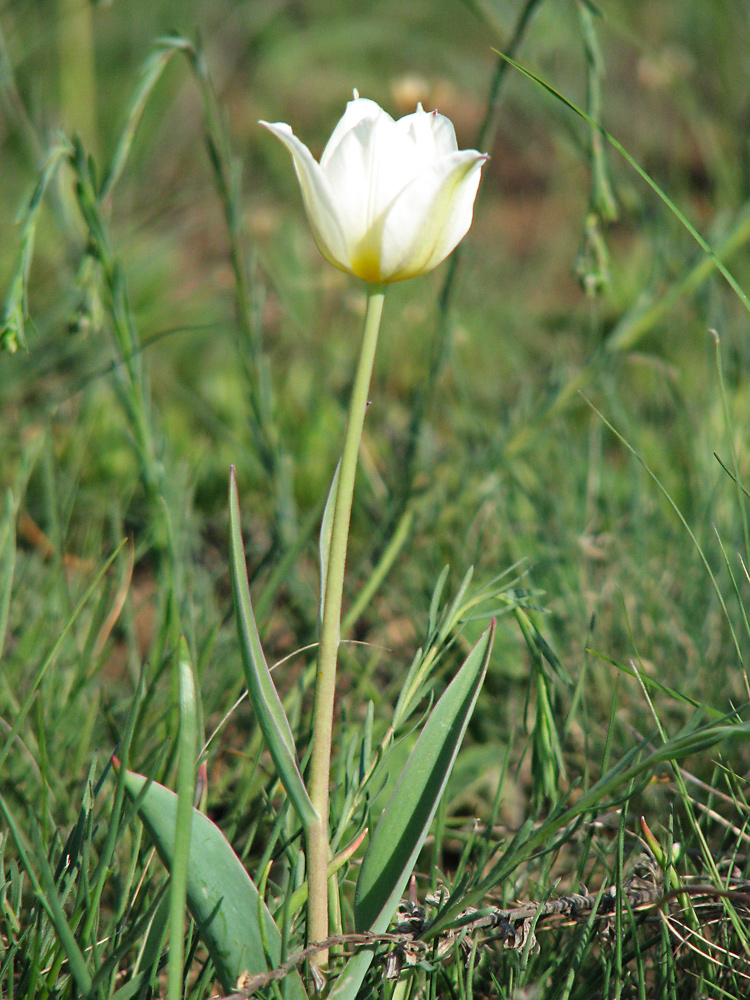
(389, 199)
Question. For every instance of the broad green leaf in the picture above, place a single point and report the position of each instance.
(220, 894)
(261, 689)
(406, 819)
(324, 543)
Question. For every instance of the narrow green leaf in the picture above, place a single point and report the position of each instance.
(406, 819)
(13, 319)
(366, 754)
(50, 901)
(261, 689)
(220, 894)
(456, 608)
(437, 593)
(76, 960)
(379, 572)
(7, 564)
(324, 542)
(151, 73)
(652, 684)
(298, 898)
(155, 937)
(20, 717)
(188, 739)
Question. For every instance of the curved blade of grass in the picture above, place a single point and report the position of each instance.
(643, 317)
(151, 73)
(261, 689)
(324, 543)
(15, 312)
(729, 431)
(683, 522)
(402, 828)
(50, 657)
(188, 740)
(653, 685)
(432, 617)
(379, 572)
(50, 900)
(7, 564)
(221, 895)
(734, 285)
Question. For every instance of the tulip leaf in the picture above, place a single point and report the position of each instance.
(260, 686)
(406, 819)
(222, 898)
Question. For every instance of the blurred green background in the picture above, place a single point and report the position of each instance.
(511, 461)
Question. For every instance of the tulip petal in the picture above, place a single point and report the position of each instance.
(430, 216)
(367, 170)
(360, 109)
(432, 133)
(321, 205)
(443, 133)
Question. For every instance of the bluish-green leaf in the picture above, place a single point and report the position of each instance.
(262, 691)
(406, 819)
(221, 895)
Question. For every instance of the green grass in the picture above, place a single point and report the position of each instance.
(186, 322)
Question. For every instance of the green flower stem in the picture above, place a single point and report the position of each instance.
(330, 630)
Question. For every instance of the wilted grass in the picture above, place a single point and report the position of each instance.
(180, 320)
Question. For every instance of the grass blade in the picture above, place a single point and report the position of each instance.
(50, 901)
(151, 73)
(188, 740)
(324, 544)
(7, 564)
(49, 659)
(731, 280)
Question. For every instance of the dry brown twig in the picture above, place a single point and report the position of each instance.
(512, 925)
